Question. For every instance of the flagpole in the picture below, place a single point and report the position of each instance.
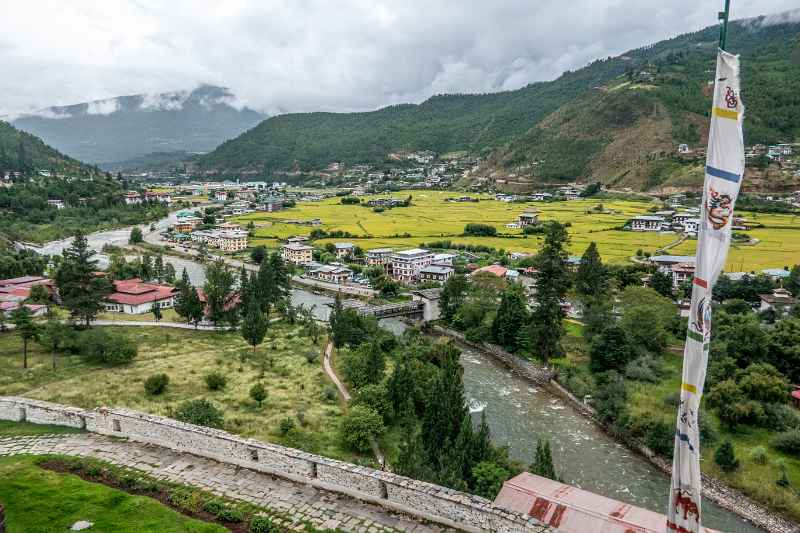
(723, 30)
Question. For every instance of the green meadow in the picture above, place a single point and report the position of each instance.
(431, 218)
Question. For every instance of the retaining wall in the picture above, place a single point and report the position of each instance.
(417, 498)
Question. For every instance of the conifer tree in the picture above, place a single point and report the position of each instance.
(543, 461)
(591, 279)
(82, 291)
(512, 315)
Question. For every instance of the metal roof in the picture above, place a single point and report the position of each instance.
(573, 510)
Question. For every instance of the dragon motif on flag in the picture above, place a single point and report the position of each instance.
(718, 208)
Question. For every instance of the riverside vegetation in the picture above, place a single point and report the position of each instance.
(626, 357)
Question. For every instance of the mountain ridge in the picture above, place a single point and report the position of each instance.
(509, 128)
(131, 126)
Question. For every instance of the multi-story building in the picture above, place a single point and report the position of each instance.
(380, 256)
(406, 264)
(646, 223)
(232, 240)
(681, 273)
(297, 253)
(438, 273)
(187, 224)
(344, 249)
(528, 218)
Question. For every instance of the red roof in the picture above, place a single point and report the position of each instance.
(497, 270)
(796, 394)
(136, 292)
(24, 280)
(573, 510)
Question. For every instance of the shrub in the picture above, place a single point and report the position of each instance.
(329, 393)
(99, 346)
(781, 417)
(228, 514)
(199, 412)
(489, 478)
(216, 381)
(359, 425)
(186, 499)
(156, 384)
(376, 397)
(258, 393)
(643, 369)
(312, 356)
(672, 399)
(725, 457)
(214, 506)
(759, 455)
(788, 442)
(286, 425)
(262, 524)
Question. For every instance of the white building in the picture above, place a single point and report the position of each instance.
(528, 218)
(438, 273)
(297, 253)
(406, 264)
(780, 300)
(58, 204)
(132, 197)
(691, 225)
(444, 259)
(331, 273)
(646, 223)
(380, 256)
(135, 297)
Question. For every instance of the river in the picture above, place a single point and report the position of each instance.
(518, 413)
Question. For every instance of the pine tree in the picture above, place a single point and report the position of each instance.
(552, 281)
(725, 457)
(156, 310)
(82, 291)
(511, 317)
(543, 461)
(26, 328)
(219, 290)
(592, 277)
(254, 326)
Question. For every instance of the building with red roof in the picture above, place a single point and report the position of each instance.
(135, 297)
(19, 289)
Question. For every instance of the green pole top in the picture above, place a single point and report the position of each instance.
(723, 29)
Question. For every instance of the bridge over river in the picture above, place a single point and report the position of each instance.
(413, 308)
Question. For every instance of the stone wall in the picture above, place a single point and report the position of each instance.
(425, 500)
(527, 369)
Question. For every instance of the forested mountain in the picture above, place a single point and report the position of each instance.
(23, 152)
(128, 127)
(615, 119)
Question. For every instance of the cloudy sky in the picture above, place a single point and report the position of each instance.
(338, 55)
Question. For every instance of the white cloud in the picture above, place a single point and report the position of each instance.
(102, 107)
(164, 101)
(281, 55)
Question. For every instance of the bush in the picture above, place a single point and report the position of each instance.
(228, 514)
(644, 368)
(329, 393)
(286, 425)
(489, 478)
(199, 412)
(376, 397)
(781, 417)
(214, 506)
(359, 425)
(99, 346)
(759, 455)
(216, 381)
(258, 393)
(480, 230)
(156, 384)
(788, 442)
(262, 524)
(725, 457)
(312, 356)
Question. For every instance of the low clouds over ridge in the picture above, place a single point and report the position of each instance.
(281, 56)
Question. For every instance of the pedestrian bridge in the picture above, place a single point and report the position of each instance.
(414, 308)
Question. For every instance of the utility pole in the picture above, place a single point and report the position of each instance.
(723, 29)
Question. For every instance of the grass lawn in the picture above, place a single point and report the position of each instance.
(42, 501)
(167, 315)
(295, 387)
(18, 429)
(431, 218)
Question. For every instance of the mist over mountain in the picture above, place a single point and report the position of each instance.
(128, 127)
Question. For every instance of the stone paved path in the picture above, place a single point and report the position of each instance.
(321, 508)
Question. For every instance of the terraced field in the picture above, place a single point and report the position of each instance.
(431, 218)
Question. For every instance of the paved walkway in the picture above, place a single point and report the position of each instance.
(300, 502)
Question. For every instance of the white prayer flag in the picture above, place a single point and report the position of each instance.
(724, 172)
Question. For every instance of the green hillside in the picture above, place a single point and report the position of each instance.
(23, 152)
(572, 127)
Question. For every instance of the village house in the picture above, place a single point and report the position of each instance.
(58, 204)
(436, 273)
(430, 303)
(646, 223)
(541, 196)
(406, 264)
(781, 301)
(665, 262)
(271, 205)
(297, 253)
(297, 239)
(187, 224)
(676, 199)
(443, 259)
(528, 218)
(380, 256)
(132, 198)
(681, 273)
(691, 225)
(135, 297)
(221, 196)
(344, 249)
(233, 240)
(337, 274)
(19, 289)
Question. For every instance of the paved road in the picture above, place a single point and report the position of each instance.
(296, 501)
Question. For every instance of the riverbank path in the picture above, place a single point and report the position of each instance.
(299, 503)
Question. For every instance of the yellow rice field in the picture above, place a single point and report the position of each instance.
(431, 218)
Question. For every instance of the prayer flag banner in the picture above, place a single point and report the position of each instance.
(724, 171)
